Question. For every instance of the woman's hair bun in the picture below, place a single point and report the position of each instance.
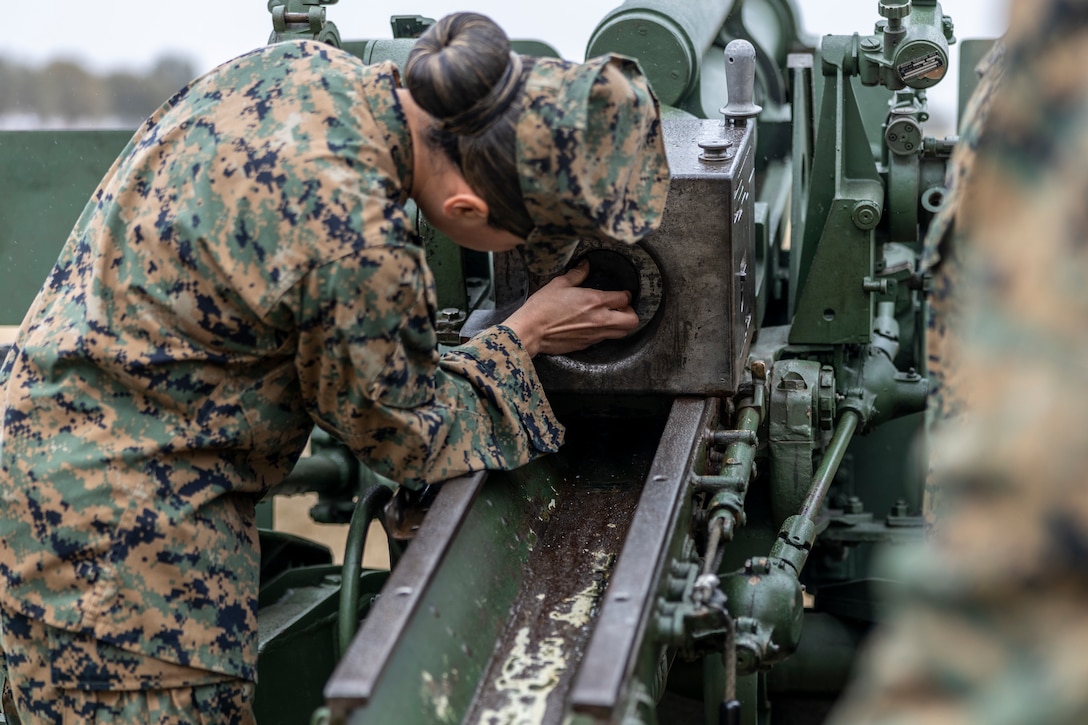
(461, 71)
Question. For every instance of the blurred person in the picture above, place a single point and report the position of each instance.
(993, 627)
(247, 269)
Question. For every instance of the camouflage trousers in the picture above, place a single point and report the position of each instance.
(57, 677)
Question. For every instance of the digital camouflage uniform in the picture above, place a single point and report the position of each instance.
(940, 259)
(591, 156)
(994, 626)
(245, 269)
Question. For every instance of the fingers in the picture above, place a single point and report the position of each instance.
(577, 274)
(616, 299)
(622, 321)
(613, 299)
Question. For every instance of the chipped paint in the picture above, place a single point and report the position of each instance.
(528, 676)
(437, 692)
(581, 604)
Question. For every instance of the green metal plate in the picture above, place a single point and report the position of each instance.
(48, 178)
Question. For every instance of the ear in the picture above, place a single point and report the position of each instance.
(465, 207)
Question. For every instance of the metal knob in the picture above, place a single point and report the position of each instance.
(716, 150)
(894, 9)
(740, 79)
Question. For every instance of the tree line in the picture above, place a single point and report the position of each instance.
(68, 91)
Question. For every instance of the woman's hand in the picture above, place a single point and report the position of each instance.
(562, 317)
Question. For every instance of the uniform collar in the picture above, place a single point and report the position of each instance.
(380, 90)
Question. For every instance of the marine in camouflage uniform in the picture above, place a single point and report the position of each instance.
(245, 269)
(994, 627)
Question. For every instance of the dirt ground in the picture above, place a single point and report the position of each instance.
(292, 515)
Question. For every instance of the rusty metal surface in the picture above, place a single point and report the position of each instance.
(699, 269)
(551, 534)
(611, 656)
(567, 573)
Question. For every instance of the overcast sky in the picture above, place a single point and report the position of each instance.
(113, 34)
(110, 35)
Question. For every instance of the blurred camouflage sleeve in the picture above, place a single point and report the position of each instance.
(993, 628)
(369, 368)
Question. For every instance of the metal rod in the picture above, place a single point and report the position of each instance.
(730, 709)
(741, 435)
(729, 488)
(322, 473)
(829, 466)
(367, 508)
(743, 452)
(713, 545)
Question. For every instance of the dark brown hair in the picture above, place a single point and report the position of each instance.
(462, 72)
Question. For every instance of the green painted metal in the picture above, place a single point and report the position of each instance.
(297, 635)
(863, 206)
(765, 601)
(792, 430)
(845, 204)
(972, 51)
(729, 487)
(669, 39)
(48, 178)
(367, 508)
(457, 623)
(764, 597)
(302, 20)
(829, 465)
(495, 571)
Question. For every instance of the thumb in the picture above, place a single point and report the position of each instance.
(577, 274)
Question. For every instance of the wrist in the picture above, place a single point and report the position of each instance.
(524, 331)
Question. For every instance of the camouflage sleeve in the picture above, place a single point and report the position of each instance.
(371, 374)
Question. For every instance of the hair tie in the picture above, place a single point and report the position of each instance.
(480, 115)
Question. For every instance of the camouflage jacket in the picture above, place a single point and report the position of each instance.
(245, 269)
